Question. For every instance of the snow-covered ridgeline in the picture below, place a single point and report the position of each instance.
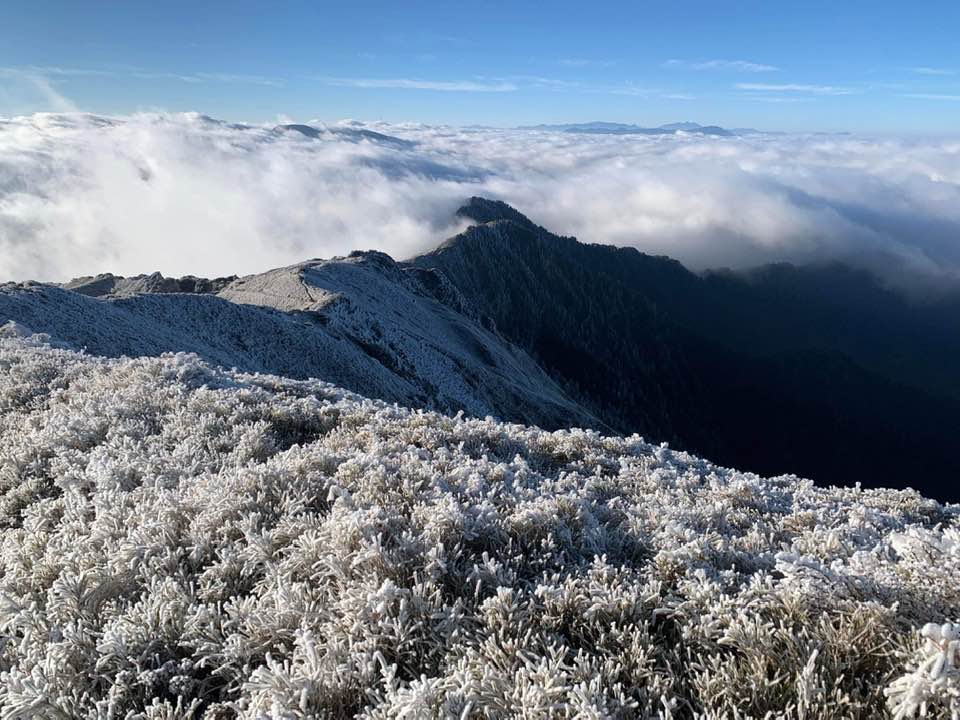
(183, 541)
(364, 322)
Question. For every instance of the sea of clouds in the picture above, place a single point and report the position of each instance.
(186, 194)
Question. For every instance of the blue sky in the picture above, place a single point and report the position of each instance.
(842, 65)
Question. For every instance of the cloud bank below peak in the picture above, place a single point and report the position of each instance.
(185, 194)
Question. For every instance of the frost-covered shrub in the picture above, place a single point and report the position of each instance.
(179, 541)
(934, 682)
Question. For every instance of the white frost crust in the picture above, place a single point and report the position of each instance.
(184, 541)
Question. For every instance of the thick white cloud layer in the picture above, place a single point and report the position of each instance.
(185, 194)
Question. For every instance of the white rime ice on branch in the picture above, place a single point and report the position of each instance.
(180, 541)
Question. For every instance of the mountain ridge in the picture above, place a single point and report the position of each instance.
(617, 128)
(511, 320)
(706, 356)
(317, 319)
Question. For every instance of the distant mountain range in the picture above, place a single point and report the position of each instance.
(344, 133)
(612, 128)
(817, 370)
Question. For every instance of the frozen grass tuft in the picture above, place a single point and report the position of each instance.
(179, 541)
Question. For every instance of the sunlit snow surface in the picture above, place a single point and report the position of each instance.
(363, 322)
(183, 541)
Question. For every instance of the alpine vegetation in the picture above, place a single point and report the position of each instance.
(183, 541)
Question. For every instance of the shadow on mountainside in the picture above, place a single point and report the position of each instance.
(815, 370)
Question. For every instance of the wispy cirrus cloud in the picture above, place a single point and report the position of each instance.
(419, 84)
(26, 90)
(578, 62)
(777, 98)
(728, 65)
(796, 88)
(240, 78)
(932, 96)
(510, 83)
(626, 89)
(539, 81)
(139, 74)
(933, 71)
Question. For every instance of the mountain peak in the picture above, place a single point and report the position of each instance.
(110, 285)
(484, 210)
